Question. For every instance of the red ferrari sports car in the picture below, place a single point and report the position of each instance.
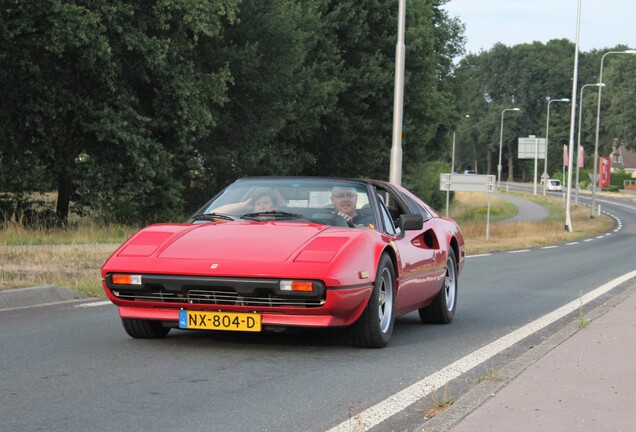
(271, 252)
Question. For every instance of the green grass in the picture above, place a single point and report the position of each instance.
(12, 234)
(491, 375)
(499, 210)
(522, 235)
(583, 321)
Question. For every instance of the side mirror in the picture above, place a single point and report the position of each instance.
(411, 222)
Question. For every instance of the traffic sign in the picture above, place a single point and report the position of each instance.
(528, 147)
(594, 178)
(467, 182)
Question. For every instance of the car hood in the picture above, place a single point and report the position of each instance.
(237, 241)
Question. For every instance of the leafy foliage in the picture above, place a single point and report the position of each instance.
(117, 82)
(528, 76)
(619, 101)
(423, 180)
(138, 111)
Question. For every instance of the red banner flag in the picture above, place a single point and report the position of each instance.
(565, 155)
(605, 172)
(581, 157)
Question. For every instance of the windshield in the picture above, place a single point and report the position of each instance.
(332, 202)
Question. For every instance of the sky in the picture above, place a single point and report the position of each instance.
(604, 23)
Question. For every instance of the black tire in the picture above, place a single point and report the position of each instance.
(442, 310)
(375, 326)
(144, 329)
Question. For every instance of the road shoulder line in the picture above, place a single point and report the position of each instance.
(36, 296)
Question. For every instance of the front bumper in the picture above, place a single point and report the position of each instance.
(162, 297)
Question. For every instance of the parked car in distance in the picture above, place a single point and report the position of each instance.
(554, 185)
(470, 172)
(297, 262)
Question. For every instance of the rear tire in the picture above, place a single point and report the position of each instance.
(375, 326)
(144, 329)
(442, 310)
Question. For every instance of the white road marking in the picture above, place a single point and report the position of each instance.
(94, 304)
(519, 251)
(549, 247)
(627, 206)
(477, 256)
(572, 243)
(394, 404)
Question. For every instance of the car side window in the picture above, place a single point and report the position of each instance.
(394, 206)
(387, 221)
(417, 207)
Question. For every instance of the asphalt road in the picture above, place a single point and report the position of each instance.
(71, 367)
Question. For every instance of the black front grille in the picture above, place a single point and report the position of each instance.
(218, 291)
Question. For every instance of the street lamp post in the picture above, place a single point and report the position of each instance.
(578, 144)
(452, 170)
(575, 77)
(395, 168)
(547, 133)
(598, 125)
(501, 144)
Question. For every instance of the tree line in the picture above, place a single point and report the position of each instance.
(139, 111)
(528, 76)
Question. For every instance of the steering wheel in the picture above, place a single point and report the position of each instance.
(349, 222)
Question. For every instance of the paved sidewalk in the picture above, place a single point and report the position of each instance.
(585, 382)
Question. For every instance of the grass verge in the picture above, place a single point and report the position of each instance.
(522, 235)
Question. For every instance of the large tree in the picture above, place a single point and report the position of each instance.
(618, 114)
(356, 135)
(283, 80)
(527, 76)
(136, 110)
(108, 94)
(312, 88)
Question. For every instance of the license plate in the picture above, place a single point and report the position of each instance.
(219, 321)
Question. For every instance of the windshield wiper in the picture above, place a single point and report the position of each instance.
(212, 217)
(277, 214)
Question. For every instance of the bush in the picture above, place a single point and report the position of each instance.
(618, 178)
(27, 210)
(423, 180)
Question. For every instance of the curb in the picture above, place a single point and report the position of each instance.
(35, 296)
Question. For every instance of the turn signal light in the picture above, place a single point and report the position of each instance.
(126, 279)
(293, 285)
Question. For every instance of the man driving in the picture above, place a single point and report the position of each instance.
(344, 200)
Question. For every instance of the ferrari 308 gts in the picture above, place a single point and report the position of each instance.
(271, 252)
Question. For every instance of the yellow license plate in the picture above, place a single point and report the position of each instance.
(219, 321)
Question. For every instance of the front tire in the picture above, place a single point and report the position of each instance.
(375, 326)
(144, 329)
(442, 310)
